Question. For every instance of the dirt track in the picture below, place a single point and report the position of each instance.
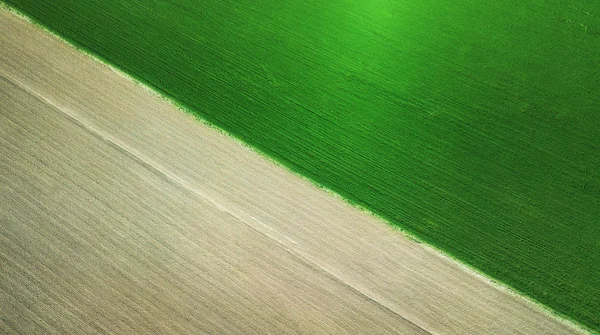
(120, 213)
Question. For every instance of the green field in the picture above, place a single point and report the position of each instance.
(472, 125)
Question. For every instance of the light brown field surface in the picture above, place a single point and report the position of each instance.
(121, 214)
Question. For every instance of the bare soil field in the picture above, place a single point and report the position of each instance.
(119, 213)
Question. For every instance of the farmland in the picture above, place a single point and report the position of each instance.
(103, 200)
(474, 127)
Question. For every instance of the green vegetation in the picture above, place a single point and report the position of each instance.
(473, 125)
